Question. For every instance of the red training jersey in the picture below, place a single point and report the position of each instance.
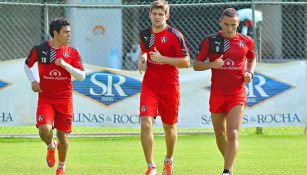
(228, 80)
(169, 42)
(55, 81)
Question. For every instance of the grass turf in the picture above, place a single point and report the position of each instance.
(195, 155)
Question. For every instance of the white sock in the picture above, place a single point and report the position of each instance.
(168, 160)
(51, 145)
(61, 165)
(151, 165)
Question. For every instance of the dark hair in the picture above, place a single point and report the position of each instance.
(160, 4)
(57, 24)
(230, 12)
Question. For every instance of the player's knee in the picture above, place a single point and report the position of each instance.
(221, 135)
(232, 135)
(44, 130)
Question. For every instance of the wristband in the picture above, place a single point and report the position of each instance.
(251, 74)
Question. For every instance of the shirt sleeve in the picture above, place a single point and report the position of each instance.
(77, 61)
(142, 45)
(251, 52)
(203, 50)
(32, 58)
(181, 47)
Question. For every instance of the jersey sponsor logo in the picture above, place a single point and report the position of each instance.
(262, 88)
(45, 52)
(107, 88)
(55, 75)
(163, 39)
(229, 64)
(3, 84)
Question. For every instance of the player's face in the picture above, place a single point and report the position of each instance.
(158, 18)
(64, 35)
(229, 26)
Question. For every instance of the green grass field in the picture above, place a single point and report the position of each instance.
(195, 155)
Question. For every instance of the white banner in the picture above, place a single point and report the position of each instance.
(110, 98)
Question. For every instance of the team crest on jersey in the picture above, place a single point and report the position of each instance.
(68, 121)
(241, 44)
(66, 55)
(163, 39)
(143, 108)
(40, 118)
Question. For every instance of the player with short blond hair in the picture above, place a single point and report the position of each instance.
(163, 51)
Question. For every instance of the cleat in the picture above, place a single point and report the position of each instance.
(168, 168)
(60, 171)
(151, 171)
(50, 158)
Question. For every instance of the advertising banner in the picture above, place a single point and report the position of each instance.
(110, 97)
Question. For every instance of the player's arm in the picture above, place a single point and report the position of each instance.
(203, 65)
(250, 69)
(34, 82)
(251, 62)
(142, 62)
(180, 62)
(200, 62)
(75, 72)
(28, 68)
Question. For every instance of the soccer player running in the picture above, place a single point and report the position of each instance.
(163, 51)
(232, 62)
(57, 62)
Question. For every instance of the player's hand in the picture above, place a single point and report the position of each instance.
(142, 65)
(218, 63)
(60, 62)
(156, 56)
(36, 87)
(248, 77)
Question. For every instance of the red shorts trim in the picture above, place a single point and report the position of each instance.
(223, 104)
(154, 102)
(58, 113)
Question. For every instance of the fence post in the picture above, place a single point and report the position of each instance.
(45, 22)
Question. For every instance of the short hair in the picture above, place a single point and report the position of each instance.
(230, 12)
(57, 24)
(160, 4)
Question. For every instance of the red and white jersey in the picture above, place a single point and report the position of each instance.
(55, 81)
(228, 80)
(169, 42)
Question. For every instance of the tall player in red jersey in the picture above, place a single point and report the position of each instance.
(57, 62)
(232, 62)
(163, 51)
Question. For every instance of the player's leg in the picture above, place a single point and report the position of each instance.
(168, 110)
(148, 109)
(234, 119)
(147, 140)
(44, 119)
(219, 125)
(170, 140)
(218, 114)
(63, 124)
(62, 151)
